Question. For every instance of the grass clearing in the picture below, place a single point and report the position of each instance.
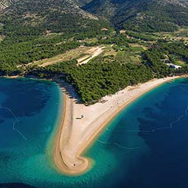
(180, 62)
(128, 57)
(67, 56)
(92, 40)
(137, 49)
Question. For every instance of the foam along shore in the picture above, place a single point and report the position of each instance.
(81, 124)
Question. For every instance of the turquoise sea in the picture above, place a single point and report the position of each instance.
(145, 146)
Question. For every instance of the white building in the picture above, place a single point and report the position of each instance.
(173, 66)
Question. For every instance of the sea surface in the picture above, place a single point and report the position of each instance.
(145, 146)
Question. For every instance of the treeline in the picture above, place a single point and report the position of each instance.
(175, 51)
(95, 80)
(117, 39)
(98, 79)
(26, 52)
(141, 36)
(167, 52)
(153, 60)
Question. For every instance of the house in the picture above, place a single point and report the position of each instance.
(173, 66)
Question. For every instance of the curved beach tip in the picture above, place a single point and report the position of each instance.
(70, 164)
(79, 165)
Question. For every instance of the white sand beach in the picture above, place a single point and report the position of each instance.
(81, 124)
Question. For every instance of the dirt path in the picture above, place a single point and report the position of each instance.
(94, 52)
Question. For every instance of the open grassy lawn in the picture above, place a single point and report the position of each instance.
(67, 56)
(109, 50)
(92, 40)
(120, 55)
(137, 49)
(128, 57)
(136, 59)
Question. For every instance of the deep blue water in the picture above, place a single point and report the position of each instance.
(29, 111)
(145, 146)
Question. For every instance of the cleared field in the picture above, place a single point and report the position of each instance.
(129, 57)
(67, 56)
(77, 53)
(92, 40)
(109, 51)
(125, 56)
(181, 34)
(121, 55)
(92, 53)
(138, 47)
(84, 54)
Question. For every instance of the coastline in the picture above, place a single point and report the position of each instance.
(75, 136)
(57, 156)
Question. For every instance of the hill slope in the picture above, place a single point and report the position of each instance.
(57, 16)
(82, 2)
(4, 4)
(32, 30)
(144, 15)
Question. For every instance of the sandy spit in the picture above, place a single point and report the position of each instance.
(81, 124)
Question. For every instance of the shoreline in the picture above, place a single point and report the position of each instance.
(57, 157)
(68, 158)
(75, 136)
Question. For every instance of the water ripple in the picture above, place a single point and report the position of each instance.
(15, 122)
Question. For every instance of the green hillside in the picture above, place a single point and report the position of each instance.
(142, 15)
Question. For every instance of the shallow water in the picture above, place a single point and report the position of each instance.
(144, 146)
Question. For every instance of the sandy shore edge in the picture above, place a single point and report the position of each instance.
(74, 136)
